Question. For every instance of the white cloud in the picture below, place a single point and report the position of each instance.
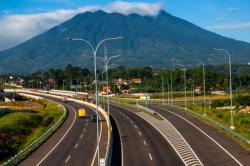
(244, 25)
(20, 27)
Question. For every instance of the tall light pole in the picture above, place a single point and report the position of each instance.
(94, 50)
(204, 86)
(184, 75)
(162, 86)
(171, 86)
(230, 85)
(106, 61)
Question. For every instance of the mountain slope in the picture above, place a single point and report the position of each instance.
(148, 41)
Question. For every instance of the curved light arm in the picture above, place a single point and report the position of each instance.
(224, 50)
(112, 38)
(183, 67)
(112, 57)
(84, 40)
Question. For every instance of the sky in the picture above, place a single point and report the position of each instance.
(21, 20)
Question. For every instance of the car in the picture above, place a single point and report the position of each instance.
(82, 113)
(93, 118)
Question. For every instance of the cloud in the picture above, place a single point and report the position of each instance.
(20, 27)
(244, 25)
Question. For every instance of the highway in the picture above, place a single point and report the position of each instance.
(141, 144)
(211, 146)
(74, 143)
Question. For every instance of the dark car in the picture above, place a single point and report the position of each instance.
(93, 118)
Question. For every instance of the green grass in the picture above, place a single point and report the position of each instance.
(19, 129)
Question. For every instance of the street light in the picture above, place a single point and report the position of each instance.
(106, 61)
(171, 87)
(230, 85)
(204, 86)
(94, 50)
(184, 73)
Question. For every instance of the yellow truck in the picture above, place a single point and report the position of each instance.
(82, 113)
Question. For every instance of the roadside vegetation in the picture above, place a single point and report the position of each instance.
(20, 127)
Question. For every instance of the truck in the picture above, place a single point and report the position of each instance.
(82, 113)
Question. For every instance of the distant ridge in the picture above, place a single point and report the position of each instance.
(148, 41)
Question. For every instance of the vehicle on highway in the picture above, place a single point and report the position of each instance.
(93, 118)
(82, 113)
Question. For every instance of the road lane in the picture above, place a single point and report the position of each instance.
(205, 148)
(78, 147)
(141, 143)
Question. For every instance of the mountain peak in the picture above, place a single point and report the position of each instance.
(149, 41)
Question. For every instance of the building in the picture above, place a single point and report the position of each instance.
(136, 80)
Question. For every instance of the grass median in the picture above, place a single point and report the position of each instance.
(24, 123)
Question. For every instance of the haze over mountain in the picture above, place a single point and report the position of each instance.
(148, 41)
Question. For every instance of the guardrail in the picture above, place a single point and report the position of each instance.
(146, 109)
(20, 155)
(101, 110)
(240, 137)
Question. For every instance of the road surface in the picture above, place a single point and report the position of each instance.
(74, 143)
(141, 144)
(225, 152)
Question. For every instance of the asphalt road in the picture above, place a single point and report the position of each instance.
(205, 148)
(141, 144)
(74, 143)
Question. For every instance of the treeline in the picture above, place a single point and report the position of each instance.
(81, 79)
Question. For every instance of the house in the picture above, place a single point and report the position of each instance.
(136, 80)
(198, 89)
(245, 110)
(106, 90)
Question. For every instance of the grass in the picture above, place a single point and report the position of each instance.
(241, 120)
(19, 129)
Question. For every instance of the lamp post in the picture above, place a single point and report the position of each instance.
(94, 50)
(184, 75)
(169, 88)
(106, 61)
(204, 86)
(230, 85)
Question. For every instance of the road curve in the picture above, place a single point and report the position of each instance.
(74, 143)
(206, 149)
(141, 144)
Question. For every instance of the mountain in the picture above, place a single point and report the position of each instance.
(148, 41)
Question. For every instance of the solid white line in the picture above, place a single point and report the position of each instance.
(60, 139)
(67, 159)
(145, 143)
(100, 135)
(158, 131)
(76, 145)
(149, 154)
(121, 140)
(205, 135)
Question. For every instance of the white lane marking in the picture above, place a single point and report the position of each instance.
(100, 135)
(84, 130)
(60, 139)
(205, 135)
(120, 139)
(162, 135)
(135, 126)
(67, 159)
(81, 136)
(144, 142)
(139, 132)
(76, 145)
(149, 154)
(131, 121)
